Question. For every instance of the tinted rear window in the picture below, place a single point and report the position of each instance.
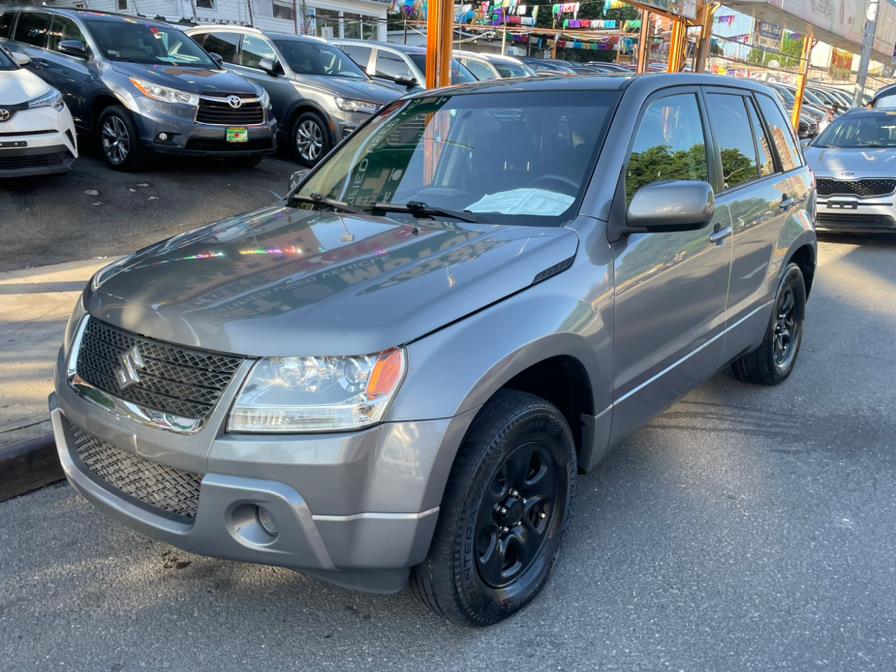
(782, 133)
(6, 23)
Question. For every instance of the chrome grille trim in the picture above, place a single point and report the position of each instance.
(216, 111)
(180, 383)
(157, 486)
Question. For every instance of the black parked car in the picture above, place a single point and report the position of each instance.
(142, 86)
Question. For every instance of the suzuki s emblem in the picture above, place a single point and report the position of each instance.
(131, 365)
(234, 101)
(4, 114)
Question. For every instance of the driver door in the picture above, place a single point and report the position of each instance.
(671, 288)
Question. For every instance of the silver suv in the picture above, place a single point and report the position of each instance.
(400, 370)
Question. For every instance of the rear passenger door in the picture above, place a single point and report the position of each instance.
(671, 288)
(253, 48)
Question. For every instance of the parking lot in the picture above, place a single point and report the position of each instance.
(746, 528)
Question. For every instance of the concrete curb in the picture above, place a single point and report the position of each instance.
(28, 465)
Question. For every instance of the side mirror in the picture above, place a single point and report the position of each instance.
(678, 205)
(409, 82)
(21, 59)
(218, 59)
(805, 142)
(74, 48)
(269, 66)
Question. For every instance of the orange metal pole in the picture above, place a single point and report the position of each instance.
(439, 42)
(703, 46)
(643, 37)
(675, 40)
(801, 80)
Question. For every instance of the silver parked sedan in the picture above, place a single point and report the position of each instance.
(854, 161)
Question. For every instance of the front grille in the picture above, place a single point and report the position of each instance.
(32, 161)
(173, 378)
(857, 221)
(168, 489)
(869, 187)
(222, 114)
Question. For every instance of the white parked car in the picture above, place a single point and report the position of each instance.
(37, 134)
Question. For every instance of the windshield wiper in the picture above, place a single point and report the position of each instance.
(421, 209)
(317, 199)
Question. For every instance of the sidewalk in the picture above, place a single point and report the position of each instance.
(35, 304)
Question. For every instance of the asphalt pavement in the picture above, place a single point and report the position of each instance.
(746, 528)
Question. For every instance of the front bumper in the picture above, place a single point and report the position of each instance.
(187, 137)
(39, 141)
(850, 214)
(356, 508)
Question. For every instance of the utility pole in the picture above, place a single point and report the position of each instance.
(295, 17)
(251, 18)
(405, 26)
(867, 46)
(504, 40)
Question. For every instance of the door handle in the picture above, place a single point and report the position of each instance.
(718, 237)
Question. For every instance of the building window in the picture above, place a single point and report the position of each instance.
(205, 4)
(369, 28)
(327, 21)
(122, 5)
(284, 10)
(351, 25)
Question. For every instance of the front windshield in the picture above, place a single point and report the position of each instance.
(137, 41)
(459, 73)
(509, 157)
(306, 58)
(857, 131)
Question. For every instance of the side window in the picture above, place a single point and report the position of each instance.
(254, 49)
(391, 65)
(63, 28)
(6, 23)
(479, 69)
(766, 162)
(669, 144)
(782, 134)
(32, 28)
(728, 116)
(360, 55)
(223, 44)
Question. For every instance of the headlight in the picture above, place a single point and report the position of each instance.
(347, 105)
(308, 394)
(164, 93)
(51, 98)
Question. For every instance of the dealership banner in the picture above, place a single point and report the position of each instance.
(841, 64)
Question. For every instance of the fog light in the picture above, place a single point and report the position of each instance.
(163, 137)
(267, 522)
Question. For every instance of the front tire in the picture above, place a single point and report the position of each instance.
(774, 360)
(506, 507)
(119, 141)
(310, 139)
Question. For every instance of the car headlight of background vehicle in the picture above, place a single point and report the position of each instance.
(347, 105)
(165, 94)
(313, 394)
(51, 98)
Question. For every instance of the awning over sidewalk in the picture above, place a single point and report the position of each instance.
(840, 23)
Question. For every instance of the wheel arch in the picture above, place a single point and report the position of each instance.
(305, 105)
(804, 256)
(101, 101)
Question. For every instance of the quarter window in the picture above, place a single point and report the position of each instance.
(254, 49)
(782, 134)
(63, 29)
(766, 162)
(223, 44)
(32, 28)
(728, 115)
(391, 66)
(669, 144)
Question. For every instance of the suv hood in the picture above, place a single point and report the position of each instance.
(284, 281)
(850, 163)
(192, 80)
(345, 87)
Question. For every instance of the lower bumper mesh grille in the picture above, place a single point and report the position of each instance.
(158, 486)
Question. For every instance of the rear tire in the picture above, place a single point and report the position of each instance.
(119, 142)
(506, 507)
(775, 358)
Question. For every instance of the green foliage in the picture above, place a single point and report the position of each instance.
(660, 163)
(791, 50)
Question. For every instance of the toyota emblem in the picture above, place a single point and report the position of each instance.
(234, 101)
(4, 114)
